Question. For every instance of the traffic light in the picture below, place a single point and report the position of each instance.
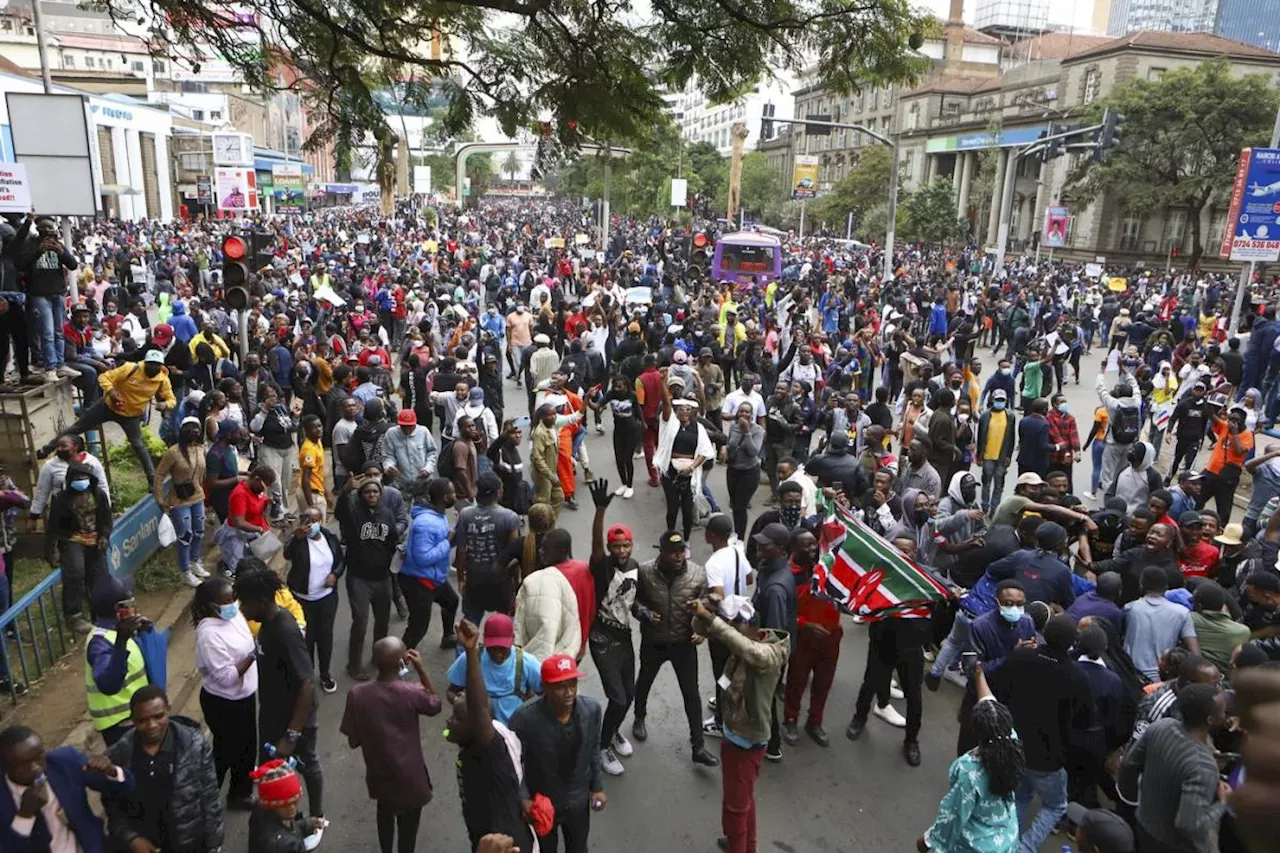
(1110, 135)
(767, 113)
(701, 247)
(235, 272)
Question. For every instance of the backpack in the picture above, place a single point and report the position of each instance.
(444, 462)
(1126, 425)
(521, 690)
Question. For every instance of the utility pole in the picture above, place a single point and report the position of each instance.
(1246, 274)
(38, 20)
(604, 205)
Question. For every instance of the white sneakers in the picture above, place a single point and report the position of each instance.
(628, 492)
(891, 716)
(198, 569)
(190, 579)
(620, 491)
(65, 372)
(895, 692)
(622, 746)
(610, 764)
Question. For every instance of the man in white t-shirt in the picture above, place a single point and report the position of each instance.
(745, 393)
(729, 577)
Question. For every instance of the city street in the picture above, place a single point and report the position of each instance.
(848, 797)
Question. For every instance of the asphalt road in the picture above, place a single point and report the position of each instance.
(848, 797)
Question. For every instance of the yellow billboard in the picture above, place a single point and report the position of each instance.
(804, 176)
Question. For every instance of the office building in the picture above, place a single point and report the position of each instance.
(1011, 19)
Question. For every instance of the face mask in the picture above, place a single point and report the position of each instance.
(315, 530)
(998, 405)
(1012, 615)
(1006, 371)
(1062, 407)
(962, 417)
(80, 485)
(790, 516)
(227, 612)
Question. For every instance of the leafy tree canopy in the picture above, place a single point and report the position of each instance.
(929, 215)
(866, 186)
(1181, 142)
(596, 67)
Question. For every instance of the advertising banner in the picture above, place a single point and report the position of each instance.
(15, 195)
(237, 188)
(288, 187)
(422, 180)
(679, 192)
(204, 190)
(1253, 223)
(804, 176)
(1056, 220)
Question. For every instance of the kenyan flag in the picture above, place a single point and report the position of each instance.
(867, 576)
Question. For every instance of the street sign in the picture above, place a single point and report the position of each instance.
(133, 537)
(1055, 227)
(1253, 224)
(804, 176)
(204, 190)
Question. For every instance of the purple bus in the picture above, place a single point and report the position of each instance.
(747, 257)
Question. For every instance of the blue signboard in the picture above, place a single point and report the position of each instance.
(134, 537)
(1253, 226)
(978, 140)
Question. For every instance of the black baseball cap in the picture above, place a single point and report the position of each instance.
(672, 540)
(773, 534)
(720, 525)
(1106, 831)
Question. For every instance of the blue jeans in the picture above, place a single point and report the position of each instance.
(1051, 787)
(188, 523)
(1095, 480)
(955, 643)
(993, 471)
(711, 499)
(50, 317)
(88, 381)
(1266, 485)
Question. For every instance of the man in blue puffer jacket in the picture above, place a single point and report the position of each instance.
(424, 577)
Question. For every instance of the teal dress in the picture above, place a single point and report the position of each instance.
(970, 818)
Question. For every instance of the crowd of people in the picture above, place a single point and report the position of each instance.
(359, 432)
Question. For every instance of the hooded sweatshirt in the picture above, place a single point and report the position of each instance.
(1134, 485)
(1115, 404)
(909, 528)
(953, 519)
(184, 328)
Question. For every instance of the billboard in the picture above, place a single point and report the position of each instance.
(1253, 222)
(237, 188)
(679, 192)
(422, 180)
(804, 176)
(288, 187)
(1056, 220)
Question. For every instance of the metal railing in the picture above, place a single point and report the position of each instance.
(38, 633)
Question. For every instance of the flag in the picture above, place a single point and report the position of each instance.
(868, 577)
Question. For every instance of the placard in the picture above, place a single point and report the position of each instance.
(15, 195)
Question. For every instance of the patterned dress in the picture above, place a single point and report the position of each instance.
(970, 818)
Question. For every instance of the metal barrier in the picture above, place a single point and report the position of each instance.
(36, 615)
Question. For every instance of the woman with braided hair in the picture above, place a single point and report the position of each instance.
(977, 814)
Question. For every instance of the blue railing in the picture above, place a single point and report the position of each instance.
(41, 641)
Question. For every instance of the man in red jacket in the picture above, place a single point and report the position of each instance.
(649, 396)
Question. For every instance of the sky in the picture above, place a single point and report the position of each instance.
(1068, 14)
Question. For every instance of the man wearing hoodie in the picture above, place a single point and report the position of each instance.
(424, 577)
(755, 663)
(77, 533)
(960, 519)
(184, 328)
(1125, 420)
(368, 530)
(1136, 482)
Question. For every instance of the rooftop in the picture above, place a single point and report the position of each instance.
(1203, 44)
(1055, 46)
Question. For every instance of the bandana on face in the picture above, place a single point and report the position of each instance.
(790, 516)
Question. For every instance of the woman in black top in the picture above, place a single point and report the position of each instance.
(622, 402)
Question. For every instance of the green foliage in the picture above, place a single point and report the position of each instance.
(1182, 137)
(929, 215)
(863, 188)
(601, 64)
(128, 482)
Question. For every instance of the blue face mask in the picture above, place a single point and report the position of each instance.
(227, 612)
(1011, 615)
(998, 405)
(315, 530)
(1062, 407)
(80, 485)
(1007, 371)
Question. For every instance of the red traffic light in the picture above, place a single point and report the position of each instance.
(572, 125)
(234, 248)
(700, 239)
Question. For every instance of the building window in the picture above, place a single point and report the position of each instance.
(215, 115)
(1154, 74)
(157, 66)
(1175, 228)
(198, 115)
(873, 99)
(1092, 82)
(888, 95)
(68, 61)
(1130, 233)
(102, 63)
(913, 117)
(138, 66)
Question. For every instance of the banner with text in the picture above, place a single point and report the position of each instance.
(288, 187)
(804, 176)
(1056, 220)
(1253, 223)
(15, 194)
(237, 188)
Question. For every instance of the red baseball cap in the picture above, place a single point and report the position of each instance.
(557, 668)
(619, 533)
(499, 631)
(162, 334)
(407, 418)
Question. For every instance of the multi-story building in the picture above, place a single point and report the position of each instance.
(700, 120)
(1255, 22)
(1012, 18)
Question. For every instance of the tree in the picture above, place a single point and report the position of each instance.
(929, 215)
(598, 68)
(511, 164)
(866, 186)
(1182, 139)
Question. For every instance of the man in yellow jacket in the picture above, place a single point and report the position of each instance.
(127, 391)
(208, 335)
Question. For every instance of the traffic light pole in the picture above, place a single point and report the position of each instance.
(893, 176)
(1011, 175)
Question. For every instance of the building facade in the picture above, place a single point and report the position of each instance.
(700, 120)
(1012, 18)
(1254, 22)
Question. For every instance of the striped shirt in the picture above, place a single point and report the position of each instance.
(1175, 779)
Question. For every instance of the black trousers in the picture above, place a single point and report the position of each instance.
(615, 661)
(98, 414)
(1222, 489)
(13, 331)
(81, 565)
(1184, 449)
(742, 485)
(679, 495)
(575, 824)
(234, 726)
(896, 644)
(320, 615)
(719, 657)
(406, 823)
(684, 660)
(626, 438)
(419, 600)
(363, 595)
